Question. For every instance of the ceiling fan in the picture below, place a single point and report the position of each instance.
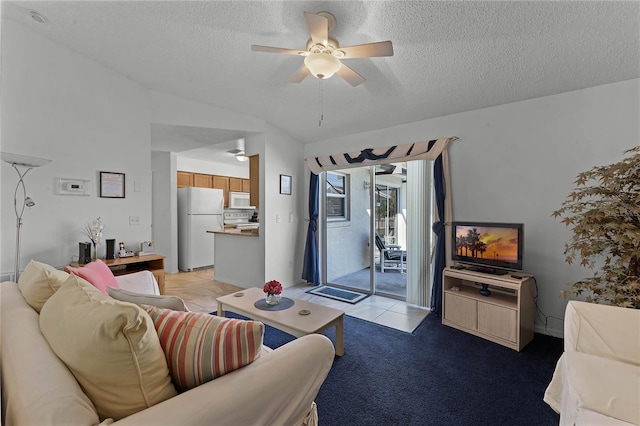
(323, 54)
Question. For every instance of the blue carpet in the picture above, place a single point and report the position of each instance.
(435, 376)
(338, 294)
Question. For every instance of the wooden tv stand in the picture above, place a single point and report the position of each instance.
(504, 317)
(127, 265)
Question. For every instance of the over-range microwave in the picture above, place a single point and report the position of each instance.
(239, 200)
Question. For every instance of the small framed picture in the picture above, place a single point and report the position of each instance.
(285, 184)
(111, 185)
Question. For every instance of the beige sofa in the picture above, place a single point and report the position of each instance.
(38, 389)
(597, 379)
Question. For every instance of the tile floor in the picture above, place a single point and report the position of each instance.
(380, 310)
(199, 291)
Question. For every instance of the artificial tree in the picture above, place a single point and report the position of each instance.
(604, 214)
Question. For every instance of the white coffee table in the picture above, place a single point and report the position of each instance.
(288, 320)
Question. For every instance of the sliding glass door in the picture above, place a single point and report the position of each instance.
(364, 229)
(390, 230)
(346, 225)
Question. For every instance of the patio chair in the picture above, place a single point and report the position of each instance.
(391, 257)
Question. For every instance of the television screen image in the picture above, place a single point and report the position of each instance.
(488, 244)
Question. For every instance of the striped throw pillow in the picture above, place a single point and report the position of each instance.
(200, 347)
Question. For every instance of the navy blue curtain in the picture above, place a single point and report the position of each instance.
(310, 270)
(440, 231)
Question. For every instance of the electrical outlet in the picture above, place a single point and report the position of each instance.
(134, 220)
(277, 218)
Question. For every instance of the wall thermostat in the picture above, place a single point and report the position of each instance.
(73, 187)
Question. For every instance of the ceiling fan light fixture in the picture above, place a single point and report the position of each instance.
(38, 17)
(322, 65)
(239, 151)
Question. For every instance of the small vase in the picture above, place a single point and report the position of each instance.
(94, 255)
(485, 290)
(272, 299)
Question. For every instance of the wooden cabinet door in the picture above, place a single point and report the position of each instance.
(185, 179)
(235, 184)
(222, 182)
(201, 180)
(461, 310)
(246, 185)
(254, 178)
(497, 321)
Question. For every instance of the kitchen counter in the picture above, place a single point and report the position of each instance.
(249, 232)
(239, 261)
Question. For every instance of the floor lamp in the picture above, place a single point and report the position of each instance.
(27, 163)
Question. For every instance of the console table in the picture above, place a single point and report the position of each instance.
(127, 265)
(505, 316)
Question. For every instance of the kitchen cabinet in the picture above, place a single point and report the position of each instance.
(222, 182)
(226, 183)
(185, 179)
(235, 184)
(202, 180)
(254, 177)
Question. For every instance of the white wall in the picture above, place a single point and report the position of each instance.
(169, 109)
(165, 220)
(284, 240)
(239, 170)
(85, 118)
(517, 163)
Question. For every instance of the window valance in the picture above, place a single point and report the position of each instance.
(429, 150)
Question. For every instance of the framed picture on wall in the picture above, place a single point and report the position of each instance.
(111, 185)
(285, 184)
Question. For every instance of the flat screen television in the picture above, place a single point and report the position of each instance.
(488, 247)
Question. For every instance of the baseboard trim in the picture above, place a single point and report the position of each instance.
(549, 331)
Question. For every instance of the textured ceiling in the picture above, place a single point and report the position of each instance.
(449, 56)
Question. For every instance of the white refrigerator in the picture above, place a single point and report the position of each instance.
(199, 210)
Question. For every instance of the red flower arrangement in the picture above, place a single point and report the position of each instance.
(272, 287)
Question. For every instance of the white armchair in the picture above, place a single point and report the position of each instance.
(597, 378)
(139, 282)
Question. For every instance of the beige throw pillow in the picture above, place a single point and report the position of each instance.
(111, 347)
(38, 282)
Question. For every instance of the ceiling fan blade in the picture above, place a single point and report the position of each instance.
(302, 73)
(369, 50)
(352, 77)
(318, 28)
(270, 49)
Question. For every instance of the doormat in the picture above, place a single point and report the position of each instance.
(338, 294)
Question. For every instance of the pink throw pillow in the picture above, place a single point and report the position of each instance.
(97, 273)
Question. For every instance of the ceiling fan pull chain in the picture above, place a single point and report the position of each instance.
(320, 95)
